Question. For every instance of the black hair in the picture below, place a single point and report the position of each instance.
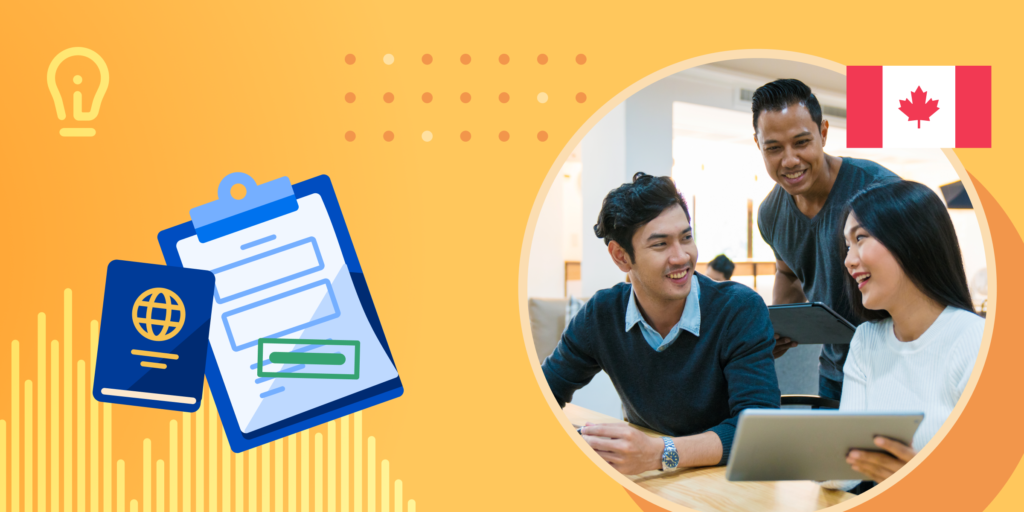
(777, 95)
(912, 223)
(723, 264)
(632, 205)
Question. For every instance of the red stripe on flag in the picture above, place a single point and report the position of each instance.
(864, 106)
(974, 106)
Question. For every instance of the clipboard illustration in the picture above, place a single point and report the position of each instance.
(289, 290)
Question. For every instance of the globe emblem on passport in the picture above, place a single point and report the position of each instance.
(158, 314)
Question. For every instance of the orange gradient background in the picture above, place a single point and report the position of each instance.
(201, 89)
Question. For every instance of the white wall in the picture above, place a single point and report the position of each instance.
(603, 152)
(649, 130)
(546, 277)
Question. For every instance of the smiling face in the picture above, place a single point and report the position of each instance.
(664, 254)
(879, 276)
(793, 149)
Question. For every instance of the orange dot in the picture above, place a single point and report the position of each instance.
(427, 97)
(427, 59)
(542, 136)
(503, 136)
(581, 97)
(350, 136)
(465, 136)
(388, 97)
(350, 97)
(581, 59)
(542, 59)
(350, 59)
(503, 59)
(465, 59)
(503, 97)
(389, 136)
(465, 97)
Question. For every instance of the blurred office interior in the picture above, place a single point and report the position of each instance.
(696, 126)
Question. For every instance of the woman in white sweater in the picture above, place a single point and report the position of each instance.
(917, 348)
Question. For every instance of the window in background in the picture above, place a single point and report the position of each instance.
(572, 222)
(718, 169)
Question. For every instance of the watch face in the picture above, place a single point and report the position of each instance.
(670, 457)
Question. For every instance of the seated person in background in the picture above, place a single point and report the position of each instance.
(686, 354)
(917, 349)
(720, 268)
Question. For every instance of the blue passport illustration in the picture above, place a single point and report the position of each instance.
(154, 336)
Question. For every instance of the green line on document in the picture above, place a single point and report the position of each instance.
(306, 358)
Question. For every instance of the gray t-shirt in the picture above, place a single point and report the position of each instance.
(811, 247)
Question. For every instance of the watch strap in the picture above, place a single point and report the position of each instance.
(669, 456)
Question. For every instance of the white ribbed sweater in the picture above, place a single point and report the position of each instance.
(928, 374)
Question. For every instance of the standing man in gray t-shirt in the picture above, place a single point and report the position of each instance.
(800, 218)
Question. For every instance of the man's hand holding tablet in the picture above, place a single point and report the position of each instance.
(782, 344)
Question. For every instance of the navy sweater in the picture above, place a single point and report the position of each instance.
(697, 384)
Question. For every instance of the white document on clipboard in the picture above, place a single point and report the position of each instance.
(283, 278)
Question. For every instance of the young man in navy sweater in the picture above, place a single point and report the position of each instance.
(685, 353)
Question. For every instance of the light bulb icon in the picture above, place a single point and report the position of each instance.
(58, 101)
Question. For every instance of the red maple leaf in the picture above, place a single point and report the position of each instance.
(917, 109)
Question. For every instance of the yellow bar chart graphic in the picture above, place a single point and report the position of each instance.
(58, 446)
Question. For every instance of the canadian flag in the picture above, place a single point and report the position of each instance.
(919, 106)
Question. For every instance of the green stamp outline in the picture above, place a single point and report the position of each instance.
(284, 375)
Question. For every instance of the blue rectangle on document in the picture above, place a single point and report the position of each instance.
(268, 269)
(281, 315)
(154, 336)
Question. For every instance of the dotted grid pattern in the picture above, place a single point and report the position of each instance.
(465, 97)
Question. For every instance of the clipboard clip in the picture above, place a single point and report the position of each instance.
(228, 215)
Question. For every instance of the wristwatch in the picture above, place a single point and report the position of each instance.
(669, 456)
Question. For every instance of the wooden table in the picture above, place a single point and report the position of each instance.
(707, 489)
